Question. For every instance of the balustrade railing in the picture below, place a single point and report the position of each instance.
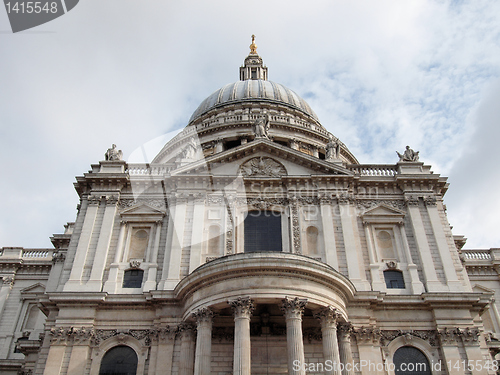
(476, 254)
(374, 169)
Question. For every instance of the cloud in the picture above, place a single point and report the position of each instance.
(472, 199)
(380, 75)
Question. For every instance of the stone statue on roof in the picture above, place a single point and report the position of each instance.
(261, 127)
(113, 154)
(332, 148)
(409, 155)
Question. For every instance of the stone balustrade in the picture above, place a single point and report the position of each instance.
(477, 254)
(374, 170)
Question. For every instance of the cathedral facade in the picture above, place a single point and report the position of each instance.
(253, 243)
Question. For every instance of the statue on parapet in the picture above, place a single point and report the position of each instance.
(332, 148)
(409, 155)
(113, 154)
(261, 127)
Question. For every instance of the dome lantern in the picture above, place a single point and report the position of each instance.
(253, 67)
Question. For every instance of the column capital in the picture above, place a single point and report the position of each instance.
(203, 315)
(242, 307)
(186, 330)
(345, 330)
(327, 316)
(293, 307)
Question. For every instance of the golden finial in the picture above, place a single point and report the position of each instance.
(253, 46)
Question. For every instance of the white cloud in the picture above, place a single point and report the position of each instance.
(379, 75)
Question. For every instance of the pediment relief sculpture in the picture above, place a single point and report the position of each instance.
(262, 167)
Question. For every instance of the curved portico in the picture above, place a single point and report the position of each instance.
(283, 285)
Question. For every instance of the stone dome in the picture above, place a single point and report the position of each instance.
(253, 90)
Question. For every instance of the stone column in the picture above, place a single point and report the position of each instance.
(328, 319)
(293, 309)
(345, 330)
(203, 356)
(186, 366)
(242, 308)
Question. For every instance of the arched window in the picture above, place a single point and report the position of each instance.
(133, 278)
(394, 279)
(263, 231)
(120, 360)
(410, 361)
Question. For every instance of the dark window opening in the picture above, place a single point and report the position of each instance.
(232, 144)
(133, 278)
(322, 156)
(120, 360)
(394, 279)
(410, 361)
(254, 73)
(283, 143)
(263, 231)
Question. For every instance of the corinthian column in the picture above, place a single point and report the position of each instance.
(328, 319)
(345, 348)
(203, 356)
(242, 308)
(186, 366)
(293, 309)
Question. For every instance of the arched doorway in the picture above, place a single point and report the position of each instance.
(120, 360)
(409, 360)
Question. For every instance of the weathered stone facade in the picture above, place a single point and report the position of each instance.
(159, 257)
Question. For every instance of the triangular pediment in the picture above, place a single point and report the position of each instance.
(34, 289)
(142, 208)
(482, 289)
(383, 213)
(295, 163)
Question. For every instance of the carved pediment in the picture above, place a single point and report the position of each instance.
(261, 150)
(383, 214)
(262, 167)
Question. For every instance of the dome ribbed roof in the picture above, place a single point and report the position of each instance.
(253, 90)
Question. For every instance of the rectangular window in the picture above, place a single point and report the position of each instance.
(133, 278)
(263, 231)
(394, 280)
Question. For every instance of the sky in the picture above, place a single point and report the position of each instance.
(379, 74)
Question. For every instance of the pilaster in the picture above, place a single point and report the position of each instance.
(329, 232)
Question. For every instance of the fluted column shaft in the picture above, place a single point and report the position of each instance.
(345, 349)
(203, 356)
(328, 319)
(293, 309)
(186, 366)
(242, 308)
